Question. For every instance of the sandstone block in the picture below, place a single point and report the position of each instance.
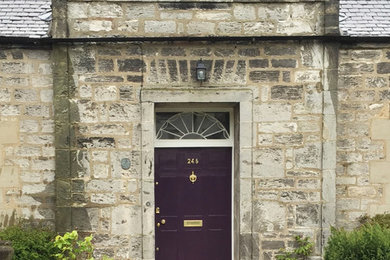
(307, 76)
(9, 110)
(213, 16)
(105, 93)
(106, 65)
(284, 63)
(124, 112)
(100, 171)
(95, 142)
(197, 28)
(104, 10)
(256, 28)
(229, 28)
(376, 82)
(275, 183)
(264, 139)
(108, 129)
(16, 67)
(249, 52)
(358, 68)
(244, 12)
(299, 196)
(160, 27)
(365, 54)
(383, 67)
(128, 26)
(348, 204)
(289, 139)
(126, 220)
(309, 156)
(286, 92)
(177, 15)
(30, 126)
(105, 186)
(258, 63)
(272, 245)
(37, 110)
(130, 65)
(279, 50)
(93, 26)
(272, 112)
(264, 76)
(103, 198)
(268, 162)
(385, 95)
(116, 168)
(135, 11)
(5, 95)
(268, 216)
(77, 10)
(362, 191)
(308, 215)
(277, 127)
(126, 93)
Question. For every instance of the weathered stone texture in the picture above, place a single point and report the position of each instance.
(364, 78)
(26, 139)
(195, 19)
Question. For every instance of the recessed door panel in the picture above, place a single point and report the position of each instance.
(193, 203)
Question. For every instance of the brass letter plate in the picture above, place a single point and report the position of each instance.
(193, 223)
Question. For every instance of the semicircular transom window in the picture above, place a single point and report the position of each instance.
(192, 125)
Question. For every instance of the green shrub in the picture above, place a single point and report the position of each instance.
(30, 243)
(302, 251)
(369, 242)
(381, 219)
(70, 247)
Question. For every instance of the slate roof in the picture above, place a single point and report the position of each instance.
(25, 18)
(365, 18)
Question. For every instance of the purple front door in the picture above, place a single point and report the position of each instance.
(193, 203)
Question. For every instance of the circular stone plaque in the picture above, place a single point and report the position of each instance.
(125, 163)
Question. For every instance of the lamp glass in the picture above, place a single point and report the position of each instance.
(201, 74)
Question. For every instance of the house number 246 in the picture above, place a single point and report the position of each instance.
(192, 161)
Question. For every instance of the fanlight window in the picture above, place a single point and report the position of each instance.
(192, 125)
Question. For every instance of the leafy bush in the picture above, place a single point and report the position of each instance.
(30, 243)
(71, 247)
(381, 219)
(303, 250)
(368, 242)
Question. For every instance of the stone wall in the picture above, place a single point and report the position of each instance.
(102, 19)
(363, 132)
(26, 135)
(104, 87)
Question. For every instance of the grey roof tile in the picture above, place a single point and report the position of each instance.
(20, 18)
(364, 17)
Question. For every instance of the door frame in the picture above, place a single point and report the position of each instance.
(244, 141)
(199, 143)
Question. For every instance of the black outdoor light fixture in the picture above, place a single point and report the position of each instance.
(200, 71)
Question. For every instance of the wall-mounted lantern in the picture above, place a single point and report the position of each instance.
(200, 71)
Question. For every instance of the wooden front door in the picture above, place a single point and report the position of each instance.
(193, 203)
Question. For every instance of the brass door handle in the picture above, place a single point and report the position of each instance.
(163, 221)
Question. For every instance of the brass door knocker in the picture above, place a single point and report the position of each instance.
(193, 177)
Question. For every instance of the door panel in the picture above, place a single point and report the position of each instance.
(204, 203)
